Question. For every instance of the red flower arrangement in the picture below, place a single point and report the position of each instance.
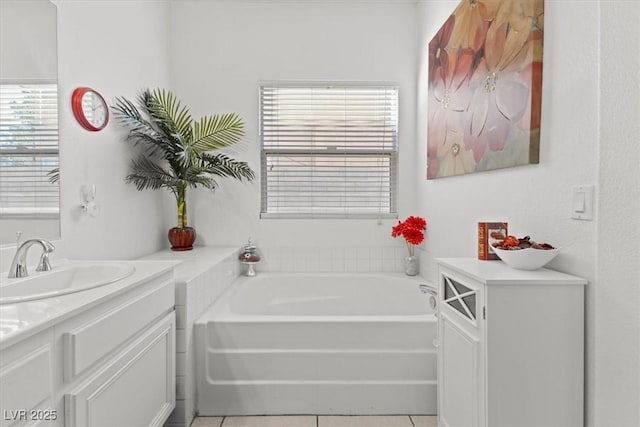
(412, 229)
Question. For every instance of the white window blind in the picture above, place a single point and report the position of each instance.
(28, 149)
(328, 150)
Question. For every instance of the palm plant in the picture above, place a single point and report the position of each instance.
(178, 149)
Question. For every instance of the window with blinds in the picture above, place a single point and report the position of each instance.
(328, 150)
(28, 149)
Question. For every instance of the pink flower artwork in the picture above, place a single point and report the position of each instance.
(485, 87)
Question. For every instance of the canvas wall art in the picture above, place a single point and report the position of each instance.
(485, 87)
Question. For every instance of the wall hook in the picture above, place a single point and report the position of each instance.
(88, 195)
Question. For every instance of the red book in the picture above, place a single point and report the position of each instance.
(490, 233)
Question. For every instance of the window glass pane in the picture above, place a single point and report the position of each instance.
(470, 302)
(459, 287)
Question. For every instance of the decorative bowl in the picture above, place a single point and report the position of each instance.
(526, 259)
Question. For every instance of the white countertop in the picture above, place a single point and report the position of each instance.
(20, 320)
(498, 273)
(194, 262)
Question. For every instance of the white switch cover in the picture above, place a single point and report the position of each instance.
(582, 202)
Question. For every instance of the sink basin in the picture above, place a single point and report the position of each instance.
(62, 280)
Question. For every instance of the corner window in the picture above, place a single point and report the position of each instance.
(28, 149)
(328, 150)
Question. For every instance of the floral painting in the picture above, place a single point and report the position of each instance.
(485, 87)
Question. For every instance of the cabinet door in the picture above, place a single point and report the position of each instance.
(137, 388)
(459, 362)
(460, 353)
(26, 380)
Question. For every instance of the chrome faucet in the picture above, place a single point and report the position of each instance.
(19, 264)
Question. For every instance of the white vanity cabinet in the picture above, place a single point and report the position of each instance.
(109, 364)
(510, 345)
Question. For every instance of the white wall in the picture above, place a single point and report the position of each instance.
(615, 396)
(534, 199)
(117, 48)
(581, 118)
(222, 49)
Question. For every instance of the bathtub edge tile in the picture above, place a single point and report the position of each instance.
(363, 253)
(338, 265)
(180, 387)
(181, 317)
(180, 293)
(350, 265)
(389, 252)
(389, 265)
(375, 252)
(325, 265)
(363, 265)
(181, 362)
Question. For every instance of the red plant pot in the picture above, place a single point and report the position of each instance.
(182, 238)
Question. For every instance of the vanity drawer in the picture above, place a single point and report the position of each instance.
(89, 342)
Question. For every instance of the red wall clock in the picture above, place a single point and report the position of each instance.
(89, 109)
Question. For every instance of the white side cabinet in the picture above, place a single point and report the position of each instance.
(511, 349)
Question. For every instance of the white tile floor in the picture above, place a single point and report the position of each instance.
(317, 421)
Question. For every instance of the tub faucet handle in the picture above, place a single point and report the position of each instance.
(433, 294)
(426, 289)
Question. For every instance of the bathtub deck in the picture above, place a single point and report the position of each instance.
(317, 421)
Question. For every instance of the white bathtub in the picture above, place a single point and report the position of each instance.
(353, 344)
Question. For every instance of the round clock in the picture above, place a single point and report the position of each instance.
(89, 109)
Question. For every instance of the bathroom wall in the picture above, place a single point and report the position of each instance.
(116, 48)
(616, 294)
(221, 50)
(584, 141)
(535, 199)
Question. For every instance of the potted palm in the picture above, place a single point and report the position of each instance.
(179, 152)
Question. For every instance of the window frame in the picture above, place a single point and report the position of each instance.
(392, 154)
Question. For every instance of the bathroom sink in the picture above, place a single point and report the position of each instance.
(65, 279)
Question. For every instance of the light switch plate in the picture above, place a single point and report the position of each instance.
(582, 202)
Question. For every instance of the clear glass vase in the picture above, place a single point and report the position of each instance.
(411, 265)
